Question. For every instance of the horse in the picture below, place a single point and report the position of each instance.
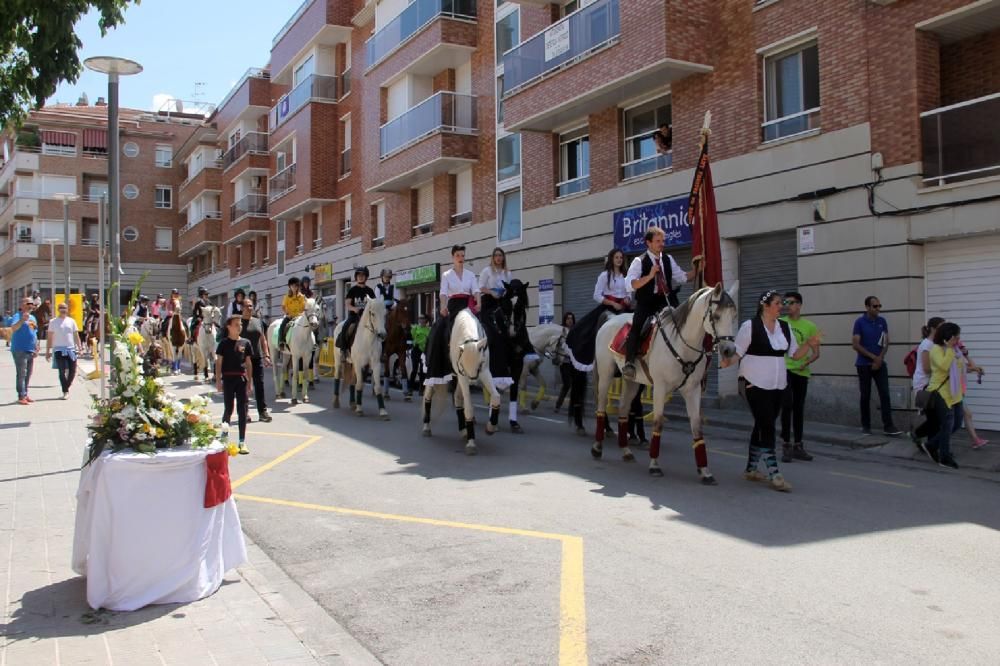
(549, 341)
(177, 334)
(676, 362)
(396, 324)
(203, 354)
(470, 359)
(300, 336)
(366, 351)
(510, 319)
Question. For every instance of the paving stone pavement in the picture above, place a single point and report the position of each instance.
(259, 616)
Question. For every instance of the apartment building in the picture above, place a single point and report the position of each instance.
(852, 146)
(63, 149)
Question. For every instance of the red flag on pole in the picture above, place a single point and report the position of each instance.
(704, 220)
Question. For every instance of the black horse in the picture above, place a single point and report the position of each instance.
(509, 322)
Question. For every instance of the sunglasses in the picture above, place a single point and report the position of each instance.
(877, 307)
(789, 301)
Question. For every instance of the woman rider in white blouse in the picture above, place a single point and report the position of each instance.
(491, 280)
(761, 346)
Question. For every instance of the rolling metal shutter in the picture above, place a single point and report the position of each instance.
(962, 283)
(766, 262)
(578, 288)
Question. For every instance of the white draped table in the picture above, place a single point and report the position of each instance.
(143, 535)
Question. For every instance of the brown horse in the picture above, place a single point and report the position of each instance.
(178, 335)
(397, 323)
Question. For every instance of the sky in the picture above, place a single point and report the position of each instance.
(189, 49)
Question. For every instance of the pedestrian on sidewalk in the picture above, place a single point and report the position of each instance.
(762, 345)
(947, 368)
(233, 369)
(566, 367)
(793, 401)
(964, 415)
(63, 338)
(24, 349)
(870, 340)
(419, 333)
(260, 355)
(921, 377)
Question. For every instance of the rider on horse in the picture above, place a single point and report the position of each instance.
(141, 312)
(356, 297)
(196, 317)
(293, 305)
(648, 276)
(386, 289)
(458, 291)
(236, 305)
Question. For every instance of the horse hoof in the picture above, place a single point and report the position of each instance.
(596, 452)
(407, 397)
(470, 449)
(628, 457)
(384, 415)
(281, 394)
(426, 432)
(515, 427)
(336, 403)
(534, 404)
(359, 411)
(490, 428)
(709, 481)
(582, 432)
(305, 399)
(655, 471)
(295, 401)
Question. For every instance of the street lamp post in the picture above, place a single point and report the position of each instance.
(114, 67)
(52, 267)
(65, 198)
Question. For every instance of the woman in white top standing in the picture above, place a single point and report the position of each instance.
(63, 338)
(762, 344)
(922, 375)
(459, 288)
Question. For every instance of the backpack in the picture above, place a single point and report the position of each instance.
(910, 361)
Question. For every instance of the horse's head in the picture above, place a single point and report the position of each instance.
(720, 318)
(399, 315)
(373, 317)
(311, 313)
(212, 315)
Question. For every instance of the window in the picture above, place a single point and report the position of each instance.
(280, 161)
(345, 231)
(280, 244)
(641, 123)
(378, 213)
(463, 197)
(500, 100)
(131, 149)
(130, 191)
(89, 231)
(509, 157)
(45, 230)
(508, 33)
(131, 234)
(164, 196)
(574, 162)
(164, 156)
(791, 92)
(345, 155)
(57, 149)
(317, 231)
(510, 216)
(234, 137)
(49, 184)
(164, 239)
(97, 189)
(304, 70)
(423, 220)
(297, 236)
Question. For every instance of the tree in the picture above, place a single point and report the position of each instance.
(38, 48)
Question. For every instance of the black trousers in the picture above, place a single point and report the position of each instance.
(793, 404)
(566, 375)
(235, 387)
(643, 312)
(258, 384)
(67, 370)
(764, 405)
(881, 377)
(416, 368)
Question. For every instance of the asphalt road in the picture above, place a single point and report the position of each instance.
(395, 536)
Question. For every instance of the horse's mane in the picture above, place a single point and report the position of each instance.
(680, 314)
(467, 326)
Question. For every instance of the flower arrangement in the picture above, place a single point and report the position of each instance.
(140, 414)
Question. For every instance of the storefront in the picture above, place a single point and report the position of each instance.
(325, 289)
(419, 287)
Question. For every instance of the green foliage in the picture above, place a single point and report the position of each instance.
(38, 48)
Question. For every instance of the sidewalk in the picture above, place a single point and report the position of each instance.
(985, 459)
(259, 616)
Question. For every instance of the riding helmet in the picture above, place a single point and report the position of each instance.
(202, 291)
(361, 270)
(293, 280)
(143, 299)
(385, 272)
(239, 292)
(306, 279)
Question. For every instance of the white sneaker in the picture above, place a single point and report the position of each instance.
(65, 396)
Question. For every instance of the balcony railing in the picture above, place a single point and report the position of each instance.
(207, 215)
(410, 21)
(345, 162)
(644, 165)
(252, 205)
(251, 142)
(442, 112)
(290, 22)
(281, 183)
(573, 186)
(345, 82)
(421, 229)
(562, 44)
(252, 73)
(314, 86)
(205, 164)
(461, 218)
(961, 141)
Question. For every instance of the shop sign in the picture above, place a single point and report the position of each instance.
(546, 302)
(670, 215)
(420, 275)
(322, 273)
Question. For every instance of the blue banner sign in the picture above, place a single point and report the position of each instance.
(671, 215)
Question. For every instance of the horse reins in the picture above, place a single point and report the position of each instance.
(689, 367)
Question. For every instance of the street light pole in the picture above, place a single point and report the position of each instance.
(52, 267)
(65, 198)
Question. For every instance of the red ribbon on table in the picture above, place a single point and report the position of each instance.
(217, 486)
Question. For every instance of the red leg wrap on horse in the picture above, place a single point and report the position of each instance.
(700, 455)
(654, 446)
(622, 432)
(599, 433)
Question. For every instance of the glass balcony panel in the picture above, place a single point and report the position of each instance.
(443, 111)
(252, 142)
(962, 141)
(314, 86)
(410, 21)
(254, 205)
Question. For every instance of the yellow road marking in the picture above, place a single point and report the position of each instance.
(277, 434)
(572, 603)
(868, 478)
(277, 461)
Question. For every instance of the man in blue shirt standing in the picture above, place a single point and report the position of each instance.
(871, 341)
(24, 348)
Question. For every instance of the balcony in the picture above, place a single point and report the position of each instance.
(200, 235)
(281, 183)
(315, 87)
(411, 21)
(450, 112)
(647, 165)
(961, 142)
(252, 143)
(604, 52)
(23, 160)
(207, 178)
(18, 253)
(248, 217)
(314, 23)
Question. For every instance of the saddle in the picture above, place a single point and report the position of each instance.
(649, 329)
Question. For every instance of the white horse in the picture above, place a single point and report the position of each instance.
(293, 365)
(549, 341)
(470, 360)
(366, 352)
(676, 362)
(203, 354)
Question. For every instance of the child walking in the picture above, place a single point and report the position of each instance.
(233, 370)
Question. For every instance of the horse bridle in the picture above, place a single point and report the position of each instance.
(461, 350)
(370, 325)
(688, 367)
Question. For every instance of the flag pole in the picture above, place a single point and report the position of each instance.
(699, 260)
